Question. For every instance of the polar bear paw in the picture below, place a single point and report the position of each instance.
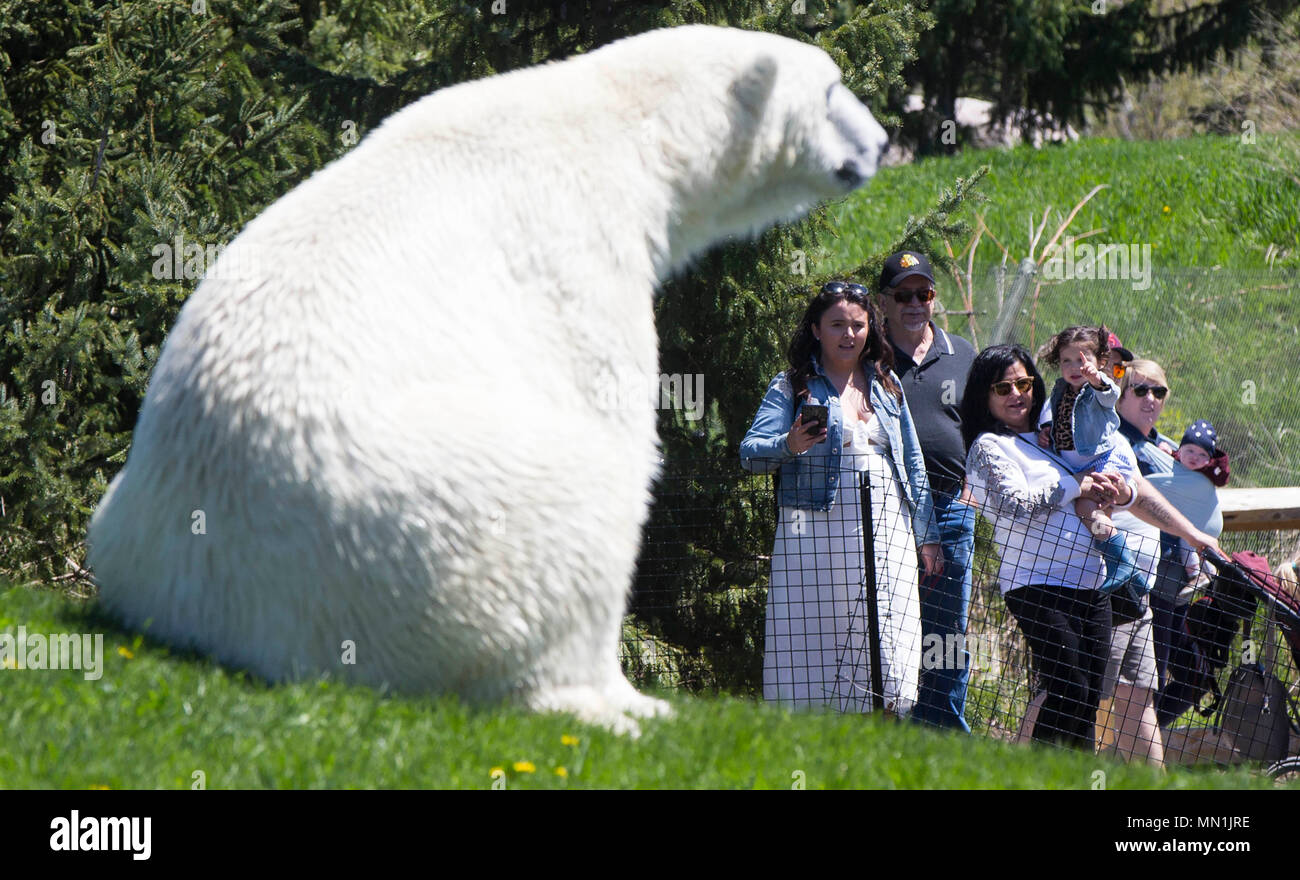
(635, 703)
(592, 706)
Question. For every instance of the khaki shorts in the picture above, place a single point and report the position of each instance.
(1132, 656)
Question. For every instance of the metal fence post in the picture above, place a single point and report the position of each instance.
(869, 588)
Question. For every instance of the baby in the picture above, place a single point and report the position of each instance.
(1080, 424)
(1197, 452)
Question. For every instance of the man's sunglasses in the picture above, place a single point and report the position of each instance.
(1022, 385)
(836, 288)
(903, 297)
(1157, 391)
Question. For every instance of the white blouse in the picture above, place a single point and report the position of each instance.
(1029, 500)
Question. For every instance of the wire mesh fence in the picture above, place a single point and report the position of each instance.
(835, 609)
(737, 594)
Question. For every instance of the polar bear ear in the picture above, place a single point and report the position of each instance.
(753, 88)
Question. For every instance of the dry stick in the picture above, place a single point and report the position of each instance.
(1068, 220)
(956, 274)
(1036, 232)
(1028, 267)
(969, 298)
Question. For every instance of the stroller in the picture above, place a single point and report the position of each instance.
(1254, 710)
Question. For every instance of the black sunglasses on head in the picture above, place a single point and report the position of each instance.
(835, 288)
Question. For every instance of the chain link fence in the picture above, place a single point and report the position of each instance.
(704, 616)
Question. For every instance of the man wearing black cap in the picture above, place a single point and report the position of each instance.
(932, 365)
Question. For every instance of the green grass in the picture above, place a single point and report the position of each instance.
(1227, 201)
(156, 719)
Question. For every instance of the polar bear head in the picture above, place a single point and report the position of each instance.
(746, 128)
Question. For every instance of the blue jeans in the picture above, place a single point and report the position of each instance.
(941, 700)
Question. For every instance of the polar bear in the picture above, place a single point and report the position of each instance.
(373, 446)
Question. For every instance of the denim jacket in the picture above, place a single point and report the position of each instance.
(810, 480)
(1093, 422)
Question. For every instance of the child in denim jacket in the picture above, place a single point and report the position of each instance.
(1080, 424)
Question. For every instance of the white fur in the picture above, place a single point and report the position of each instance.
(387, 419)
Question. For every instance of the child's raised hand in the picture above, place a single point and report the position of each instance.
(1045, 436)
(1091, 373)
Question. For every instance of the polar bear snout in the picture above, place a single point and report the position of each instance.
(863, 140)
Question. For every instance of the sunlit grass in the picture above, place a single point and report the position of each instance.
(159, 720)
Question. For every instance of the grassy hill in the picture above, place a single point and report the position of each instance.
(157, 720)
(1214, 212)
(1200, 202)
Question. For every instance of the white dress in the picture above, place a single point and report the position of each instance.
(816, 650)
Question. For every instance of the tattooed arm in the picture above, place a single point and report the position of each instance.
(1154, 508)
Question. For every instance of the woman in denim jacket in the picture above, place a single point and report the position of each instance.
(816, 649)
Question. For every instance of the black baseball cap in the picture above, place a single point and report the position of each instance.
(905, 264)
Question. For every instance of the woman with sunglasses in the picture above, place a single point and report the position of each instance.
(1144, 390)
(1050, 573)
(1132, 677)
(835, 412)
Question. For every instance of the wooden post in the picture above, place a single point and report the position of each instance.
(1254, 510)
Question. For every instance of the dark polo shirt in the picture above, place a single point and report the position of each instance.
(934, 390)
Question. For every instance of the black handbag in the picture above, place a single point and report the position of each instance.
(1125, 609)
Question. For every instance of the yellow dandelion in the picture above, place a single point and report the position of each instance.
(126, 652)
(496, 771)
(525, 767)
(569, 740)
(99, 788)
(561, 772)
(1166, 209)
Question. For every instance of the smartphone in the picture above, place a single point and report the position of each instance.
(815, 413)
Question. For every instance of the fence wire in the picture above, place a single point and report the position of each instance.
(735, 594)
(1227, 340)
(782, 612)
